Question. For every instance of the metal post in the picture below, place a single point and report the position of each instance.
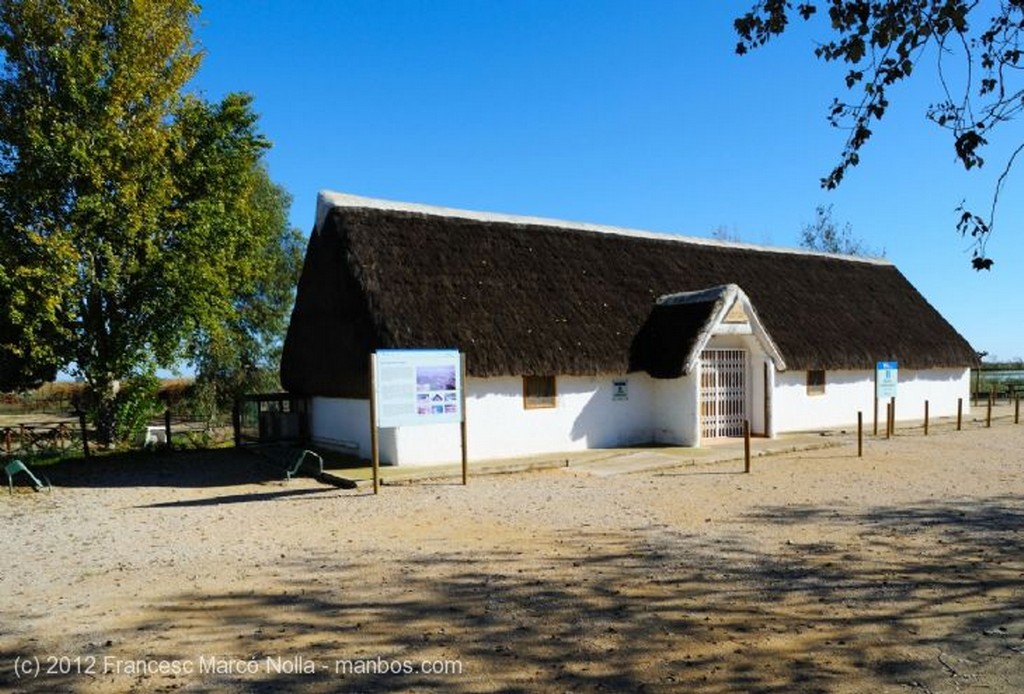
(167, 426)
(1016, 410)
(374, 443)
(888, 420)
(925, 417)
(462, 424)
(959, 413)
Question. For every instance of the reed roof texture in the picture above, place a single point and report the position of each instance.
(523, 296)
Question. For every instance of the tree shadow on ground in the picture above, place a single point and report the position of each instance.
(927, 597)
(222, 467)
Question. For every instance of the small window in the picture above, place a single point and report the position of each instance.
(538, 392)
(816, 382)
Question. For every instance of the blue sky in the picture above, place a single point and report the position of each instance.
(635, 114)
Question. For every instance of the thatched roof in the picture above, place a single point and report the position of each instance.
(529, 296)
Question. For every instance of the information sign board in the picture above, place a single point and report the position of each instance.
(886, 379)
(418, 386)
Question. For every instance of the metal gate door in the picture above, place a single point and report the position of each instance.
(723, 392)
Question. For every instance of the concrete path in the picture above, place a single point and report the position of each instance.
(603, 462)
(624, 461)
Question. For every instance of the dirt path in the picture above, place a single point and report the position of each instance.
(903, 571)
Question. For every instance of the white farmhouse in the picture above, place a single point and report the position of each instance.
(581, 336)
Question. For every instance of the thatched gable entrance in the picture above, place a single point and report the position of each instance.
(716, 335)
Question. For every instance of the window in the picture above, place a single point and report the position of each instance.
(816, 382)
(538, 392)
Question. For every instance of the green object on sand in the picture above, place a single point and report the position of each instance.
(14, 467)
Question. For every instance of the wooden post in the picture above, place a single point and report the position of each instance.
(925, 417)
(767, 403)
(1016, 410)
(988, 414)
(959, 413)
(746, 446)
(892, 418)
(876, 417)
(374, 443)
(236, 421)
(85, 433)
(860, 434)
(7, 439)
(167, 426)
(462, 424)
(888, 420)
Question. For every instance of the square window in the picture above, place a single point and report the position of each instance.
(816, 382)
(538, 392)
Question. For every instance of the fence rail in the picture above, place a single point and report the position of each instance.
(73, 437)
(40, 439)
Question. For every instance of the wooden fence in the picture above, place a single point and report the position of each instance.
(60, 438)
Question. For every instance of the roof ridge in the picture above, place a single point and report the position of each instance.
(327, 199)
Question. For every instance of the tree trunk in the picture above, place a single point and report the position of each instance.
(105, 402)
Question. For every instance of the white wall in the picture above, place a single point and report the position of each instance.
(341, 423)
(586, 416)
(846, 392)
(499, 426)
(658, 410)
(675, 416)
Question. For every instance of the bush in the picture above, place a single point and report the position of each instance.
(137, 402)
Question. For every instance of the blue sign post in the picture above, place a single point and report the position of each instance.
(886, 380)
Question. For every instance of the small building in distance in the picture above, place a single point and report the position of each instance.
(582, 336)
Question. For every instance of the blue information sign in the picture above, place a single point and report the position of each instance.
(886, 379)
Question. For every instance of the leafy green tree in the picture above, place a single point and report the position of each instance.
(242, 354)
(884, 42)
(137, 209)
(823, 234)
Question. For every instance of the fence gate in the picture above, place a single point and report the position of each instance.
(723, 392)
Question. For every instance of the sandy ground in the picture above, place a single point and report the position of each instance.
(901, 571)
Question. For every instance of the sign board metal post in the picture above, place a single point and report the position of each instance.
(462, 422)
(374, 441)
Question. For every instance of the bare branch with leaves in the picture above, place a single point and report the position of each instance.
(883, 42)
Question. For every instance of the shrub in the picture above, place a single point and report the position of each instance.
(136, 404)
